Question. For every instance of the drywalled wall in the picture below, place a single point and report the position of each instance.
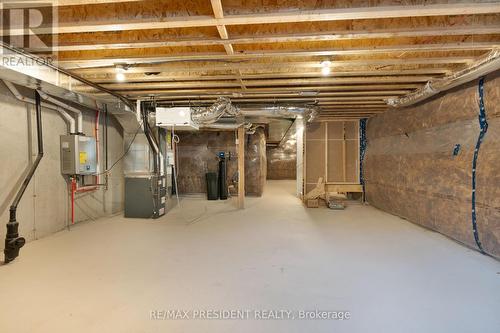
(411, 169)
(45, 206)
(197, 155)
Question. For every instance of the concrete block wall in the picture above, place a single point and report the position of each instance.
(411, 169)
(45, 206)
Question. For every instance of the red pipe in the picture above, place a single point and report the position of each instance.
(96, 133)
(73, 190)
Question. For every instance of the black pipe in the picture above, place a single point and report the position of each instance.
(13, 243)
(106, 134)
(151, 139)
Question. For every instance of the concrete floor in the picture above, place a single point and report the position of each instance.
(392, 276)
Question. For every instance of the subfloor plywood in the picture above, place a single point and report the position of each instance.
(107, 275)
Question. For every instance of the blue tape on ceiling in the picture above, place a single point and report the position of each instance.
(483, 124)
(362, 151)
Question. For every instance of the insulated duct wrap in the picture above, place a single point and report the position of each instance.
(484, 65)
(211, 114)
(307, 112)
(255, 162)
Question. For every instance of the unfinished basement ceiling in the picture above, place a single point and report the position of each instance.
(260, 51)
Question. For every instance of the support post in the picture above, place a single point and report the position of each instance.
(241, 167)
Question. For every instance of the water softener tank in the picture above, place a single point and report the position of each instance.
(222, 176)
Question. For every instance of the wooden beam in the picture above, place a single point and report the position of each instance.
(219, 14)
(376, 12)
(241, 167)
(83, 45)
(217, 8)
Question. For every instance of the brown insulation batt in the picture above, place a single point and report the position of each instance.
(411, 169)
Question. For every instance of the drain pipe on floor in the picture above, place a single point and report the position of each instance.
(13, 243)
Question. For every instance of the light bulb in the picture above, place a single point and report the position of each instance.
(120, 77)
(325, 71)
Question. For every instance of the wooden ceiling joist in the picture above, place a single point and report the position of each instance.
(267, 83)
(260, 52)
(93, 58)
(81, 64)
(165, 22)
(89, 45)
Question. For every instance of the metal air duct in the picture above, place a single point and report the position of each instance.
(484, 65)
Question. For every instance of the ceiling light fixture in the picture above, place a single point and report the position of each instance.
(120, 77)
(120, 72)
(325, 70)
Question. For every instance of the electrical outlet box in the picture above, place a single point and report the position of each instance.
(78, 155)
(170, 158)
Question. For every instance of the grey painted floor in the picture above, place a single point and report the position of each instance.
(392, 276)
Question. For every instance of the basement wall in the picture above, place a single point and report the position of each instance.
(411, 170)
(282, 160)
(197, 155)
(45, 206)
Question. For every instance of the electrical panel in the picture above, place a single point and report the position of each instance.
(78, 155)
(179, 118)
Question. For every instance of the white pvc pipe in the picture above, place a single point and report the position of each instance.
(66, 107)
(70, 120)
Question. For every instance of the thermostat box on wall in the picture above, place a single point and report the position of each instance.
(179, 118)
(78, 155)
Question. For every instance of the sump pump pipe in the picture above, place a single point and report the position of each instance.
(13, 243)
(66, 107)
(69, 119)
